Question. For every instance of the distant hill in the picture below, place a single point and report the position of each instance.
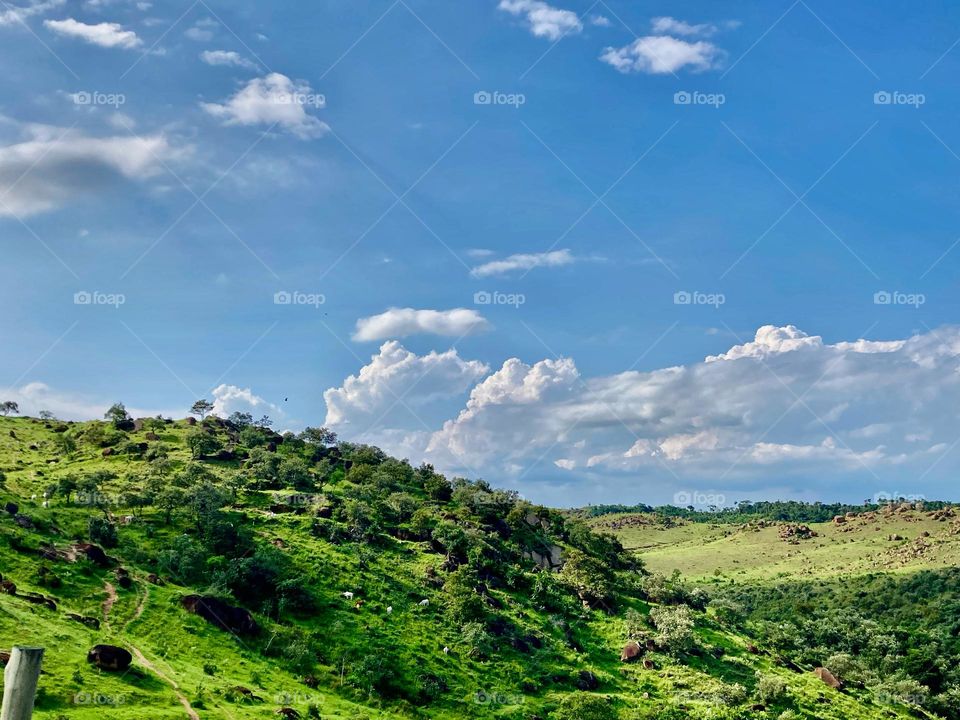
(254, 575)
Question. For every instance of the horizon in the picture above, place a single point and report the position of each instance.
(600, 252)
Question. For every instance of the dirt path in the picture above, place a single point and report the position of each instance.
(109, 602)
(169, 681)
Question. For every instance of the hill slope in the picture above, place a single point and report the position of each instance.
(378, 590)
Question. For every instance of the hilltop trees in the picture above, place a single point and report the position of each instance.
(9, 406)
(201, 408)
(118, 415)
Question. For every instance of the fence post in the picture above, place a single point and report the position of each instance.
(20, 683)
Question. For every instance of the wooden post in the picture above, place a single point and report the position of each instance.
(20, 683)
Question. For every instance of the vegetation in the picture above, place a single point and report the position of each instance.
(359, 586)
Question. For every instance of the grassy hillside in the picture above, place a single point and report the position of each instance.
(467, 602)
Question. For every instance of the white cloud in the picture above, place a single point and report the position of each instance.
(228, 399)
(672, 26)
(525, 261)
(401, 322)
(273, 100)
(36, 396)
(53, 166)
(227, 58)
(396, 379)
(661, 54)
(11, 15)
(107, 35)
(202, 30)
(785, 405)
(544, 20)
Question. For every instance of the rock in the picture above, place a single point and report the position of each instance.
(138, 425)
(839, 520)
(7, 587)
(88, 621)
(123, 579)
(215, 611)
(630, 651)
(107, 452)
(109, 657)
(23, 521)
(551, 557)
(828, 678)
(154, 579)
(4, 655)
(288, 712)
(753, 649)
(648, 664)
(246, 693)
(191, 421)
(12, 508)
(586, 680)
(894, 537)
(38, 599)
(152, 437)
(93, 553)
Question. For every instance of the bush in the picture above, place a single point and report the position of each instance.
(102, 531)
(770, 688)
(582, 706)
(675, 628)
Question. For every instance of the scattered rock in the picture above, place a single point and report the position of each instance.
(288, 712)
(107, 452)
(93, 553)
(586, 680)
(23, 521)
(246, 693)
(12, 508)
(215, 611)
(630, 651)
(88, 621)
(109, 657)
(154, 579)
(828, 678)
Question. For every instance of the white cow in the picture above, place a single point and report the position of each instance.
(446, 650)
(390, 610)
(46, 504)
(424, 602)
(348, 595)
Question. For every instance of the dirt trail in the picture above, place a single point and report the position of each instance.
(109, 602)
(169, 681)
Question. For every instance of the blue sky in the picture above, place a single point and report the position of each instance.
(529, 225)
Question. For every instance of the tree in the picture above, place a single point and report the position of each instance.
(241, 419)
(66, 486)
(46, 415)
(675, 626)
(318, 436)
(201, 408)
(264, 422)
(64, 444)
(9, 406)
(102, 531)
(118, 415)
(202, 443)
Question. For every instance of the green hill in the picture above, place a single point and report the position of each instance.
(378, 590)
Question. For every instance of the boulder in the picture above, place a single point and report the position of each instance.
(23, 521)
(586, 681)
(828, 678)
(154, 579)
(288, 712)
(12, 508)
(191, 421)
(630, 651)
(38, 599)
(109, 657)
(7, 587)
(93, 553)
(217, 612)
(107, 452)
(88, 621)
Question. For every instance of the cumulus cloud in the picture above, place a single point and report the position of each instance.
(785, 405)
(11, 15)
(273, 100)
(228, 399)
(525, 261)
(672, 26)
(542, 19)
(53, 167)
(36, 396)
(227, 58)
(401, 322)
(662, 54)
(106, 34)
(396, 379)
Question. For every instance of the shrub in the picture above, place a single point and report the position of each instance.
(582, 706)
(102, 531)
(770, 688)
(675, 628)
